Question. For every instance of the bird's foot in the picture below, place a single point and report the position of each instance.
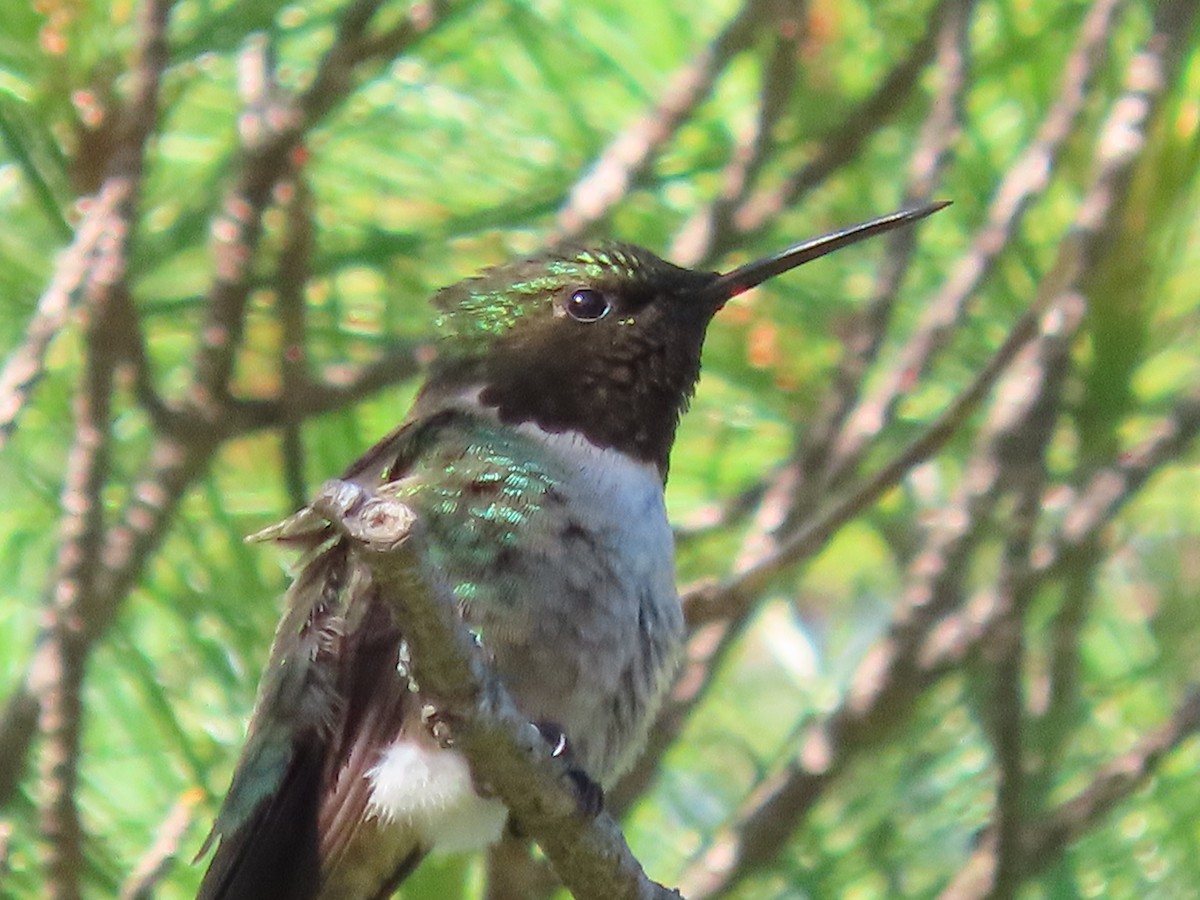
(439, 724)
(589, 795)
(553, 735)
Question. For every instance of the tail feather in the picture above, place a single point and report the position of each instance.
(313, 834)
(274, 856)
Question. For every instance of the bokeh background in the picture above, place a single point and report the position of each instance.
(936, 497)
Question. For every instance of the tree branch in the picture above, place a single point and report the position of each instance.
(933, 153)
(505, 752)
(1044, 841)
(893, 676)
(708, 602)
(843, 144)
(1028, 176)
(709, 226)
(160, 858)
(106, 224)
(267, 148)
(58, 683)
(628, 155)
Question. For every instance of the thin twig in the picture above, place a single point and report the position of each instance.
(339, 386)
(713, 601)
(1044, 841)
(793, 493)
(156, 863)
(174, 466)
(895, 674)
(184, 450)
(620, 164)
(1039, 381)
(128, 546)
(845, 142)
(1028, 176)
(291, 278)
(108, 216)
(890, 678)
(58, 683)
(709, 225)
(26, 366)
(933, 153)
(1114, 782)
(956, 635)
(265, 161)
(714, 609)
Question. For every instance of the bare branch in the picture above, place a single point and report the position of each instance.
(188, 442)
(621, 163)
(1026, 178)
(932, 154)
(504, 750)
(1044, 841)
(778, 498)
(957, 635)
(291, 277)
(25, 367)
(844, 143)
(59, 720)
(174, 466)
(1039, 383)
(58, 683)
(899, 669)
(714, 601)
(707, 227)
(157, 862)
(268, 145)
(108, 218)
(892, 676)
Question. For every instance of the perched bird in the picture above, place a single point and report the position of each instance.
(535, 456)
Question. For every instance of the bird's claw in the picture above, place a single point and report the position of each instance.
(554, 736)
(589, 795)
(439, 724)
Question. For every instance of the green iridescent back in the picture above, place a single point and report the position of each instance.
(479, 489)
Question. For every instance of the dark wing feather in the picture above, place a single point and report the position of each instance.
(379, 708)
(274, 855)
(267, 827)
(329, 701)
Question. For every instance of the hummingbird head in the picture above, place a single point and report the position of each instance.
(603, 340)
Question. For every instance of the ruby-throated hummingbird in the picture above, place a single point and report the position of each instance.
(536, 456)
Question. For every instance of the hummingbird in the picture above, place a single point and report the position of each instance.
(536, 456)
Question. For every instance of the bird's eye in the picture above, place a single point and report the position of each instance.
(587, 305)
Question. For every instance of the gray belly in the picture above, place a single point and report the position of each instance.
(579, 610)
(595, 662)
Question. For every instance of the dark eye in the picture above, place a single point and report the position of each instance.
(587, 305)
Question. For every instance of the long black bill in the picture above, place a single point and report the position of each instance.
(741, 279)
